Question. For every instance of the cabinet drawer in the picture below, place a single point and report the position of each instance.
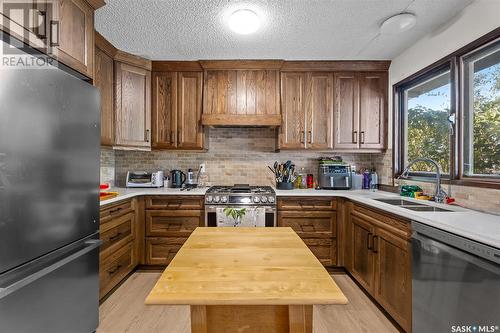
(397, 226)
(171, 202)
(115, 210)
(115, 267)
(309, 224)
(161, 251)
(117, 233)
(175, 223)
(307, 203)
(324, 249)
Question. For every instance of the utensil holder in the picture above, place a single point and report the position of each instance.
(284, 186)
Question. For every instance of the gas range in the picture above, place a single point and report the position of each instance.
(241, 194)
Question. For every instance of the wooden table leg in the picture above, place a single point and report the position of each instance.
(300, 318)
(199, 319)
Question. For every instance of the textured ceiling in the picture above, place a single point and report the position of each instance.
(291, 29)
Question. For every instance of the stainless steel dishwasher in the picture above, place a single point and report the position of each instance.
(456, 283)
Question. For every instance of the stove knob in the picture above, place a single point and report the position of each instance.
(263, 199)
(270, 199)
(256, 199)
(217, 198)
(209, 198)
(223, 199)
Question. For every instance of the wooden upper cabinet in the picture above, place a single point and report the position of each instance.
(63, 29)
(372, 110)
(292, 132)
(132, 105)
(103, 80)
(319, 110)
(164, 112)
(307, 107)
(346, 110)
(75, 38)
(241, 93)
(360, 110)
(177, 106)
(189, 128)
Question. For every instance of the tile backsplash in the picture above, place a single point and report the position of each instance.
(235, 155)
(241, 155)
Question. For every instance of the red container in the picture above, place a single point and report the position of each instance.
(310, 181)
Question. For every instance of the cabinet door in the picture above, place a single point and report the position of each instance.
(319, 110)
(362, 256)
(372, 110)
(26, 20)
(189, 129)
(76, 35)
(133, 106)
(161, 250)
(346, 120)
(103, 80)
(164, 112)
(393, 276)
(292, 134)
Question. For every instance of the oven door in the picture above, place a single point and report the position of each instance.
(213, 220)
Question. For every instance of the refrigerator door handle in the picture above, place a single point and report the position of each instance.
(90, 245)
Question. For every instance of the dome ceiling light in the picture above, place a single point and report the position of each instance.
(398, 23)
(244, 21)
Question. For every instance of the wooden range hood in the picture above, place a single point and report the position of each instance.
(241, 92)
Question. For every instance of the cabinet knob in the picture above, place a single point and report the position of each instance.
(355, 137)
(302, 136)
(362, 134)
(148, 135)
(309, 133)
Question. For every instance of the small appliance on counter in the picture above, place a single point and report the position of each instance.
(177, 178)
(334, 175)
(144, 179)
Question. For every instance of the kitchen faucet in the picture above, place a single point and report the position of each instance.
(440, 195)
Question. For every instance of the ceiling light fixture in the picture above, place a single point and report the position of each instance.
(398, 23)
(244, 21)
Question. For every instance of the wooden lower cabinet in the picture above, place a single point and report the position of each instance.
(315, 221)
(161, 250)
(379, 258)
(119, 253)
(113, 268)
(393, 283)
(169, 221)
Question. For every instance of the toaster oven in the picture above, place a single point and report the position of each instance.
(144, 179)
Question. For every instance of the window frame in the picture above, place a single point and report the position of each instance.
(454, 62)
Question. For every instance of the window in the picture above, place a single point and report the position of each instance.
(450, 112)
(481, 108)
(427, 104)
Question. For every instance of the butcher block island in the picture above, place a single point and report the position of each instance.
(248, 280)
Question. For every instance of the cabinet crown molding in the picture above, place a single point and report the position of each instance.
(336, 65)
(104, 45)
(133, 60)
(241, 64)
(176, 66)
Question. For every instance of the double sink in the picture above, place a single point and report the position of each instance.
(412, 205)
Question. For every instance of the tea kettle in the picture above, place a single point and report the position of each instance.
(177, 178)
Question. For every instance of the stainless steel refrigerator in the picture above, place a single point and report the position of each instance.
(49, 197)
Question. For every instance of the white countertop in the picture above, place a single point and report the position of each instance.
(482, 227)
